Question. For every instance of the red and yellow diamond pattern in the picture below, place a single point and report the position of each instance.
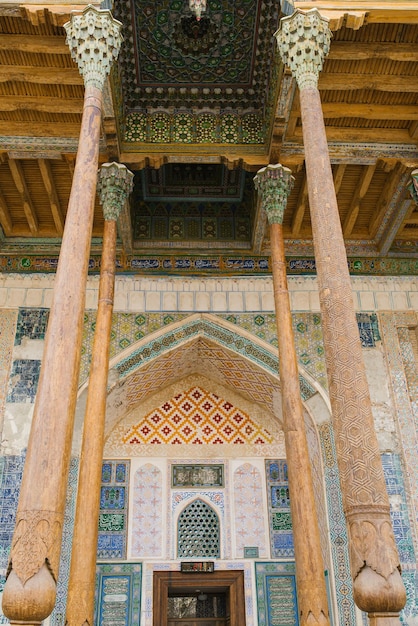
(197, 417)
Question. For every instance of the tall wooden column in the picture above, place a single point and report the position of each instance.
(274, 184)
(30, 590)
(115, 184)
(303, 41)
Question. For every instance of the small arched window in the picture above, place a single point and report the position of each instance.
(198, 531)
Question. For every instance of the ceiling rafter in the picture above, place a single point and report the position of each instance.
(388, 191)
(359, 193)
(5, 217)
(302, 205)
(28, 207)
(48, 180)
(34, 43)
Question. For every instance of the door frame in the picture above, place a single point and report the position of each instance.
(231, 581)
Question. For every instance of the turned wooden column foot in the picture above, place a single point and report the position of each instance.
(376, 594)
(384, 619)
(30, 603)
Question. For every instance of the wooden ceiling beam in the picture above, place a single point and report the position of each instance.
(360, 191)
(354, 51)
(337, 110)
(364, 135)
(19, 180)
(34, 44)
(48, 180)
(39, 129)
(302, 204)
(5, 217)
(41, 104)
(347, 82)
(40, 75)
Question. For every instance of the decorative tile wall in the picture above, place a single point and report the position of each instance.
(276, 594)
(23, 381)
(113, 516)
(281, 535)
(31, 324)
(118, 594)
(249, 510)
(147, 512)
(7, 333)
(11, 469)
(58, 614)
(337, 529)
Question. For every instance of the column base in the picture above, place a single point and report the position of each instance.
(384, 619)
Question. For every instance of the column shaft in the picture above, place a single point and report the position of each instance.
(30, 589)
(80, 604)
(311, 590)
(378, 586)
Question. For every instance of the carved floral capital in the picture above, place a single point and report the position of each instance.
(94, 38)
(36, 541)
(114, 184)
(274, 184)
(303, 40)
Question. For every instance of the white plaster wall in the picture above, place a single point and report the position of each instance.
(219, 295)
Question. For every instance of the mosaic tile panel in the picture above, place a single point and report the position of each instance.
(233, 342)
(276, 594)
(58, 614)
(147, 512)
(31, 324)
(127, 328)
(23, 381)
(281, 535)
(200, 128)
(197, 417)
(399, 510)
(249, 510)
(318, 486)
(186, 476)
(113, 516)
(337, 529)
(11, 469)
(118, 594)
(7, 332)
(403, 376)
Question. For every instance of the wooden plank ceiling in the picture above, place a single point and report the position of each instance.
(369, 91)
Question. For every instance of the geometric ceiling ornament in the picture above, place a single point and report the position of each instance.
(223, 63)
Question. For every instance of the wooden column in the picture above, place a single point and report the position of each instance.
(274, 184)
(303, 40)
(114, 184)
(30, 590)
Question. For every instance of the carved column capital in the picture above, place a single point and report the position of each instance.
(303, 40)
(274, 184)
(413, 186)
(94, 38)
(114, 184)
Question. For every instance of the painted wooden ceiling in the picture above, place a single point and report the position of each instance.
(191, 97)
